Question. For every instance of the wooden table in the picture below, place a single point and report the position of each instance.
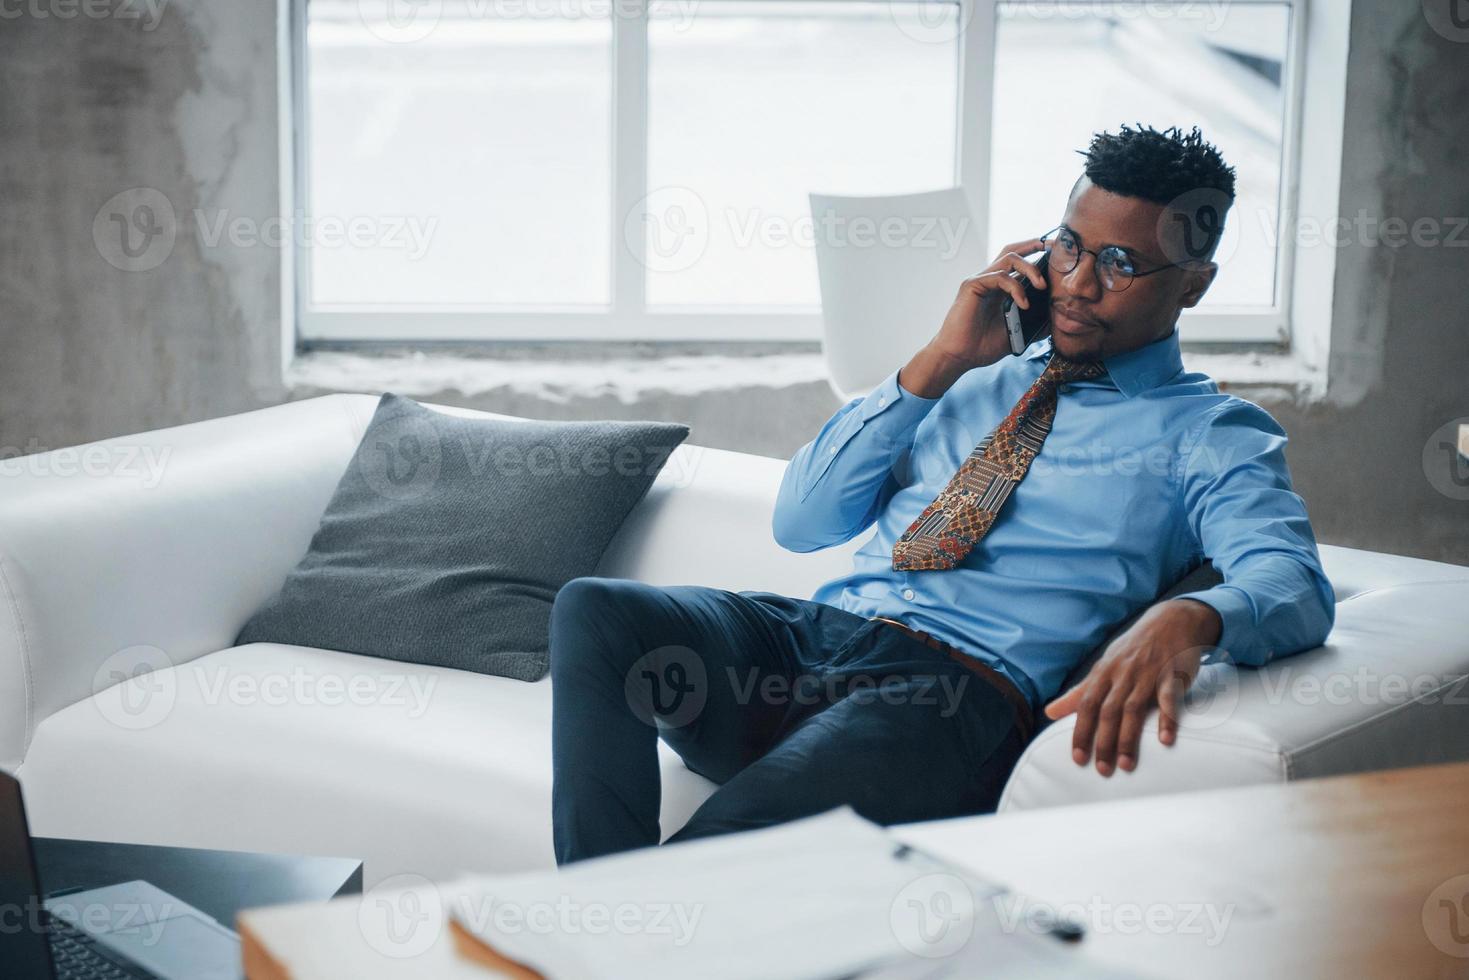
(1358, 876)
(1355, 876)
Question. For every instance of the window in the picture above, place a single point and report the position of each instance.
(1223, 67)
(473, 157)
(752, 104)
(638, 169)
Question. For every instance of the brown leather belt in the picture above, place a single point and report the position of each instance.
(1024, 719)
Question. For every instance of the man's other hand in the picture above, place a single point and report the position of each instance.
(1153, 663)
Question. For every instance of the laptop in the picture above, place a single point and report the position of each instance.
(117, 932)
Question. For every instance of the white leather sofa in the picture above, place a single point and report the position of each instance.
(154, 549)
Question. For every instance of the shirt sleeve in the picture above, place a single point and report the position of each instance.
(835, 485)
(1275, 599)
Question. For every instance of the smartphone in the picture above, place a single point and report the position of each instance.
(1025, 327)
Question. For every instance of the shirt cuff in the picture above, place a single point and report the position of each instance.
(1237, 614)
(902, 408)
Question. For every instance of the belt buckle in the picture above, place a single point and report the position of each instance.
(893, 622)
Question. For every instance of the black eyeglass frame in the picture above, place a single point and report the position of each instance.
(1097, 255)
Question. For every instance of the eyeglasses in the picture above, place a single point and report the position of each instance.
(1115, 268)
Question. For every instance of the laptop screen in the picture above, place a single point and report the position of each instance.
(23, 945)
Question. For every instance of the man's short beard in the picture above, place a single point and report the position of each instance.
(1082, 357)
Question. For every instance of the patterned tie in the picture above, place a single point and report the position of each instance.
(966, 509)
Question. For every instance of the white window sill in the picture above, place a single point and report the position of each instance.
(570, 375)
(554, 377)
(1261, 377)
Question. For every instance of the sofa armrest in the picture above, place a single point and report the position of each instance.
(154, 548)
(1389, 688)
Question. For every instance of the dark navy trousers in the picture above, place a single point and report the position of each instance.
(792, 706)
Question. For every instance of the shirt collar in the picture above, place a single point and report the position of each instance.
(1134, 371)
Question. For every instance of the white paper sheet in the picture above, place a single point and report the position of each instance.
(828, 896)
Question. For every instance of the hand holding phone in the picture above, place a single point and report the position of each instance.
(1024, 326)
(974, 332)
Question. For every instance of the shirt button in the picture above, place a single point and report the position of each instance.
(833, 451)
(882, 401)
(909, 595)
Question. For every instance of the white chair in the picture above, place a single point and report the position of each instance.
(889, 269)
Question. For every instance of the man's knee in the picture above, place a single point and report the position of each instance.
(735, 810)
(714, 824)
(582, 597)
(593, 611)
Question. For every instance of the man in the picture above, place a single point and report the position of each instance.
(1024, 508)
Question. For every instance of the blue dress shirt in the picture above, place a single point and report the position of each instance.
(1147, 470)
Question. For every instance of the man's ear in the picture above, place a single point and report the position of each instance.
(1197, 284)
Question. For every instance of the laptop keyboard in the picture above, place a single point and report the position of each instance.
(77, 958)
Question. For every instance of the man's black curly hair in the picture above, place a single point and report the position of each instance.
(1157, 166)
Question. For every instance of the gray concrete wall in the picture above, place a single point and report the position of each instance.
(184, 104)
(1400, 338)
(94, 342)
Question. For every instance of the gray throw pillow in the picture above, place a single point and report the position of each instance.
(447, 538)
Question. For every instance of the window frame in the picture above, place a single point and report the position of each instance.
(627, 318)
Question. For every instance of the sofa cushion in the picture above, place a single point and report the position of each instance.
(296, 750)
(447, 538)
